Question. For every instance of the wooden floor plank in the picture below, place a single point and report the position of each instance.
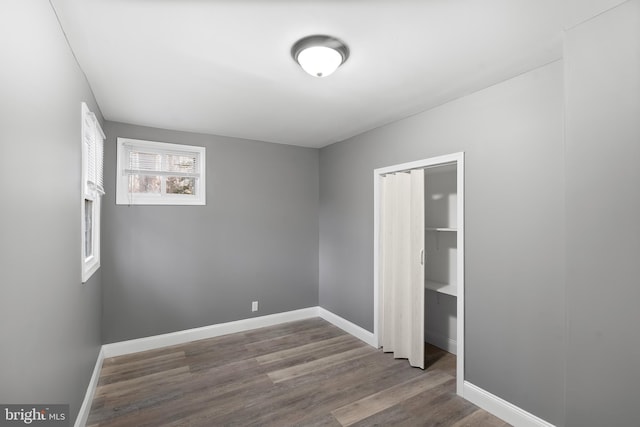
(305, 373)
(394, 416)
(141, 368)
(440, 404)
(311, 348)
(321, 391)
(292, 340)
(364, 408)
(480, 418)
(140, 383)
(323, 363)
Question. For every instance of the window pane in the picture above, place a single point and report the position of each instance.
(181, 163)
(147, 184)
(88, 228)
(181, 185)
(139, 160)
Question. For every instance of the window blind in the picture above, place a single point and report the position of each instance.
(93, 138)
(158, 162)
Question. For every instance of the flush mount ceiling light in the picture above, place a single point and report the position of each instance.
(320, 55)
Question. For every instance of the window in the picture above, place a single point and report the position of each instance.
(158, 173)
(92, 191)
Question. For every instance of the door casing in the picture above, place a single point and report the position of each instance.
(449, 159)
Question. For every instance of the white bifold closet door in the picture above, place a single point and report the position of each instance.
(402, 255)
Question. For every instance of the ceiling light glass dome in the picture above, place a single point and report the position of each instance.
(320, 55)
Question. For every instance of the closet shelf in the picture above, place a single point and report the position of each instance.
(443, 288)
(440, 229)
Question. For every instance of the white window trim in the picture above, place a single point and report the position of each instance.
(91, 264)
(123, 197)
(93, 193)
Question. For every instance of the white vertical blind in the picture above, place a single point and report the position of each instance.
(100, 137)
(402, 222)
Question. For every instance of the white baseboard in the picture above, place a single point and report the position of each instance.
(501, 408)
(442, 342)
(188, 335)
(350, 328)
(83, 414)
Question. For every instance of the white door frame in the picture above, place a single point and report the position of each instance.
(455, 158)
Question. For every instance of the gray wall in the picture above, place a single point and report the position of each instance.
(512, 134)
(49, 320)
(553, 237)
(168, 268)
(603, 219)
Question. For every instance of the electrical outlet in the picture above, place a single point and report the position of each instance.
(254, 306)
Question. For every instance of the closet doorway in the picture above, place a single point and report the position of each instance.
(419, 258)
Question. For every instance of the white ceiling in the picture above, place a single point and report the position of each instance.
(224, 67)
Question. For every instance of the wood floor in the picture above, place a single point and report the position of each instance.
(306, 373)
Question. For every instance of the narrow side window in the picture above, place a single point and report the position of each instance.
(92, 191)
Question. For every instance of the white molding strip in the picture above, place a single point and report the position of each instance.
(188, 335)
(501, 408)
(83, 414)
(351, 328)
(441, 341)
(181, 337)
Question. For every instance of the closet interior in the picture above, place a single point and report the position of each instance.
(441, 284)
